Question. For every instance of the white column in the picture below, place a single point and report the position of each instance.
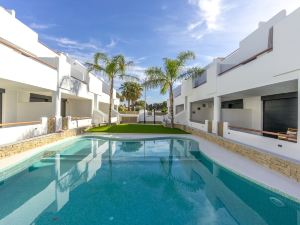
(298, 109)
(187, 110)
(95, 102)
(217, 113)
(57, 98)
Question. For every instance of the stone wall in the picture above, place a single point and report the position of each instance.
(285, 167)
(22, 146)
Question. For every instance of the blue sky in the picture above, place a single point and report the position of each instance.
(146, 31)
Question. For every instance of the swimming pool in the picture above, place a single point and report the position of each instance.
(96, 180)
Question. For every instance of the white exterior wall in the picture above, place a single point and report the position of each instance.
(279, 65)
(19, 68)
(274, 146)
(255, 104)
(16, 32)
(79, 108)
(27, 66)
(9, 107)
(274, 72)
(238, 117)
(13, 134)
(17, 108)
(95, 84)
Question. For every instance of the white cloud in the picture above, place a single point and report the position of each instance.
(68, 43)
(192, 26)
(209, 12)
(39, 26)
(111, 44)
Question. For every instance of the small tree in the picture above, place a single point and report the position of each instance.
(131, 91)
(113, 68)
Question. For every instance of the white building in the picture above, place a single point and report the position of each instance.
(252, 94)
(37, 82)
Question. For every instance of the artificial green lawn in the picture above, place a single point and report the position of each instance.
(137, 128)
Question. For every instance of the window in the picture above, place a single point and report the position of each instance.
(39, 98)
(234, 104)
(179, 108)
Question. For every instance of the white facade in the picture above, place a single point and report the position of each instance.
(37, 82)
(243, 89)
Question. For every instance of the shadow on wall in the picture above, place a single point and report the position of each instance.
(70, 84)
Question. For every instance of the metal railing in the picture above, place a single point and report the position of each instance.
(199, 80)
(177, 91)
(105, 88)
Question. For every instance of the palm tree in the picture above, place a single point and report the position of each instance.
(114, 67)
(132, 91)
(174, 71)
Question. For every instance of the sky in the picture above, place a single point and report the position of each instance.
(146, 31)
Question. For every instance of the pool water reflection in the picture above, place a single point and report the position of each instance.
(152, 181)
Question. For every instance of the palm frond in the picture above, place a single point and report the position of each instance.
(100, 56)
(172, 68)
(184, 56)
(128, 77)
(164, 88)
(94, 67)
(154, 83)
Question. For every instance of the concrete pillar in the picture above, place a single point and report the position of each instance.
(44, 121)
(187, 110)
(298, 109)
(57, 97)
(217, 113)
(95, 102)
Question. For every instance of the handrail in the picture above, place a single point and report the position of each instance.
(129, 112)
(80, 118)
(24, 53)
(19, 123)
(277, 134)
(247, 60)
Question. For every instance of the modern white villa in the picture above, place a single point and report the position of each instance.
(39, 86)
(232, 156)
(250, 96)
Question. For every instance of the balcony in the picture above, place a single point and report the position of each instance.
(247, 53)
(199, 80)
(20, 66)
(177, 91)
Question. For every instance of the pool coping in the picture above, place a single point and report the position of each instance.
(231, 161)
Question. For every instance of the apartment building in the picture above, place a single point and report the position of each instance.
(39, 85)
(252, 95)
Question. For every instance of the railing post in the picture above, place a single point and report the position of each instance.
(44, 122)
(206, 125)
(298, 138)
(69, 122)
(217, 113)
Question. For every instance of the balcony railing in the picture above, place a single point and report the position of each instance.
(105, 88)
(199, 80)
(25, 53)
(177, 91)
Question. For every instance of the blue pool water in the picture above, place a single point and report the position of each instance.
(165, 181)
